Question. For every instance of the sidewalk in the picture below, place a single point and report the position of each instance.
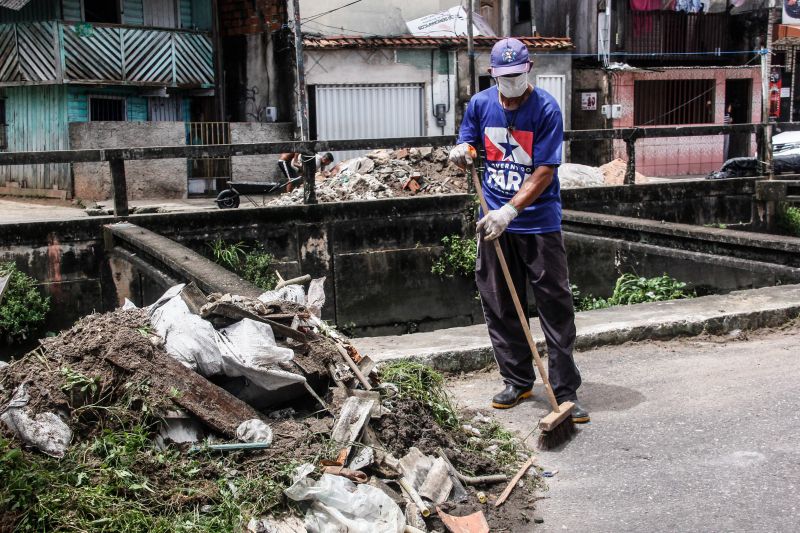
(14, 210)
(467, 348)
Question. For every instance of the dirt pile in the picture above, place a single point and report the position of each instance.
(386, 174)
(153, 441)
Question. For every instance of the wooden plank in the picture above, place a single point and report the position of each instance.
(214, 406)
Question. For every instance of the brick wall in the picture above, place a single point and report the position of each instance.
(248, 17)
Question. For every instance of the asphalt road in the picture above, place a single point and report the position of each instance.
(689, 435)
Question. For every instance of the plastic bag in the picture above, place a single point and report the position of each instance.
(290, 293)
(254, 342)
(46, 432)
(254, 431)
(316, 296)
(187, 337)
(338, 504)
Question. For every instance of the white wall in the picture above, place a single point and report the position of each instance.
(375, 17)
(385, 65)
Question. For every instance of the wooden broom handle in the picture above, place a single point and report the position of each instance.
(520, 313)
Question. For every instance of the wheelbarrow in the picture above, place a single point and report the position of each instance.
(231, 197)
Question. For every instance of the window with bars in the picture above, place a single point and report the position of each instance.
(106, 108)
(673, 102)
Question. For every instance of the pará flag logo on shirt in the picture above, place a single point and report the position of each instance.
(513, 146)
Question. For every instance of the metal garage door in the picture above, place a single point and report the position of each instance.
(556, 86)
(368, 112)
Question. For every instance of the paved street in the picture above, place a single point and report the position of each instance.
(691, 435)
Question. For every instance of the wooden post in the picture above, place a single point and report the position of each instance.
(309, 178)
(119, 186)
(630, 170)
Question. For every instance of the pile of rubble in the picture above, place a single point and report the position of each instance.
(572, 175)
(386, 174)
(268, 385)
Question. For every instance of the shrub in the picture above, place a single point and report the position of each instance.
(789, 220)
(252, 263)
(458, 258)
(23, 308)
(632, 289)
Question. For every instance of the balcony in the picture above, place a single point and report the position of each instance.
(58, 52)
(674, 32)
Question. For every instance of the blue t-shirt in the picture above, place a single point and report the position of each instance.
(513, 153)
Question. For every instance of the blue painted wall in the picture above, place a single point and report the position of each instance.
(78, 102)
(37, 120)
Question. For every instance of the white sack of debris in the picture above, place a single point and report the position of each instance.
(290, 293)
(245, 349)
(338, 504)
(187, 337)
(572, 176)
(46, 432)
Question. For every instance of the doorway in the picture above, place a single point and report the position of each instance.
(738, 101)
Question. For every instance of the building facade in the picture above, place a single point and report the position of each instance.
(658, 63)
(368, 76)
(70, 70)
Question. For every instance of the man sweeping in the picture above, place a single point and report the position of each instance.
(521, 131)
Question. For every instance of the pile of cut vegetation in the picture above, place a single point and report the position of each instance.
(120, 467)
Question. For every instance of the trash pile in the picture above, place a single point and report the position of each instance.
(223, 412)
(573, 175)
(386, 174)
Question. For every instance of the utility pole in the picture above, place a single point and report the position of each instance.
(470, 47)
(302, 104)
(533, 17)
(309, 161)
(766, 70)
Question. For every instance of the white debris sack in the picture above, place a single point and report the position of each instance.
(572, 176)
(254, 431)
(290, 293)
(316, 296)
(128, 305)
(338, 504)
(46, 431)
(255, 342)
(187, 337)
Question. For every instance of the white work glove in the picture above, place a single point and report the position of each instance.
(460, 155)
(494, 223)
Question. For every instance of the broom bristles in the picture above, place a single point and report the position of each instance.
(557, 436)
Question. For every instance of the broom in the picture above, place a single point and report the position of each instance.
(556, 427)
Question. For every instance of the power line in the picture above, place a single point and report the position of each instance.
(318, 15)
(338, 28)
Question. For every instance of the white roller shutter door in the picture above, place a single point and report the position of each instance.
(368, 112)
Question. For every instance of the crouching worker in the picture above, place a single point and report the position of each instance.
(290, 166)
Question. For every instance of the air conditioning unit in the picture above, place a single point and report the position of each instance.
(271, 114)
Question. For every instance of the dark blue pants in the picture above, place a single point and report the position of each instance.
(540, 260)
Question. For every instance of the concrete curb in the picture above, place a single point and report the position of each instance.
(467, 348)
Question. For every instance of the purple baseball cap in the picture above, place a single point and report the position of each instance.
(509, 56)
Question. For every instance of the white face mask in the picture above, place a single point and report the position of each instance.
(512, 87)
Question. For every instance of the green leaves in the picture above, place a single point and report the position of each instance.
(631, 289)
(789, 220)
(458, 258)
(23, 308)
(252, 263)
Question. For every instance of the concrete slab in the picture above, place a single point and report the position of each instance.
(467, 348)
(688, 435)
